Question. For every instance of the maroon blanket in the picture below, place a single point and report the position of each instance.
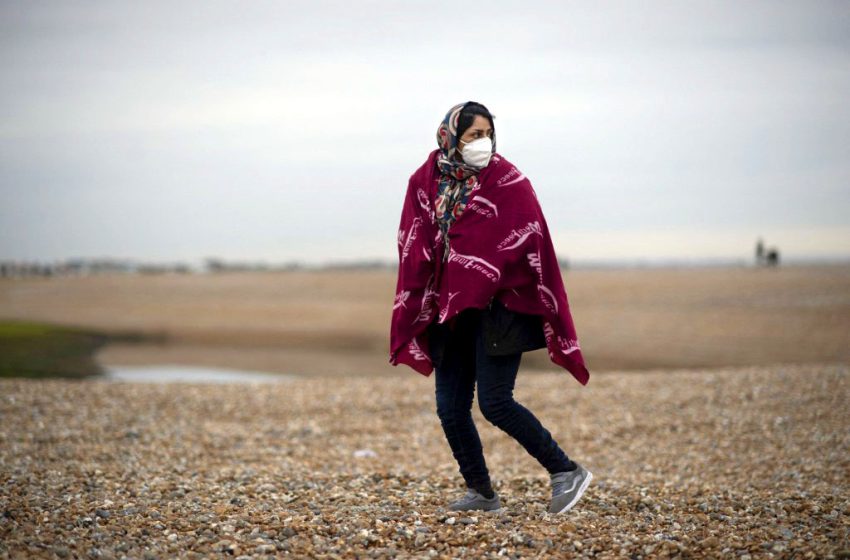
(499, 247)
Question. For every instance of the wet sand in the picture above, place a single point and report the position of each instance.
(336, 323)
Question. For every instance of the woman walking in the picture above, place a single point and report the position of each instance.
(479, 284)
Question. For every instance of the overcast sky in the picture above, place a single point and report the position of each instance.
(288, 130)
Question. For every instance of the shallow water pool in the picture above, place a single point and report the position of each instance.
(168, 373)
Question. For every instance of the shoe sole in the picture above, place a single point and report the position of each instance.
(579, 494)
(498, 509)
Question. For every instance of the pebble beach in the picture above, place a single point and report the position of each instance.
(742, 462)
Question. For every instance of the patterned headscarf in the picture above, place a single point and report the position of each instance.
(457, 178)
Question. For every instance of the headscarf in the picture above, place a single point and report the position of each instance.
(457, 178)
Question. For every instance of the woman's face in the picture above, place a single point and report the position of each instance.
(479, 128)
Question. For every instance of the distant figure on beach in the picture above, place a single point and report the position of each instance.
(766, 257)
(772, 257)
(479, 283)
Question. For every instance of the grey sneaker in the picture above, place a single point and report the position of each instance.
(473, 500)
(567, 488)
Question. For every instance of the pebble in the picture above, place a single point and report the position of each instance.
(211, 470)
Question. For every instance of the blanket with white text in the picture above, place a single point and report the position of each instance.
(499, 247)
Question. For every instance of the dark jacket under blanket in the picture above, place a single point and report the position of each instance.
(505, 331)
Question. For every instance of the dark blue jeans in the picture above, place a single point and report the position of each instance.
(465, 361)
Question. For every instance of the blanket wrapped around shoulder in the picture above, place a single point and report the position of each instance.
(499, 247)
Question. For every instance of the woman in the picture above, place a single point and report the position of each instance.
(479, 284)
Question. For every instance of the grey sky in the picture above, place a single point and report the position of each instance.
(281, 130)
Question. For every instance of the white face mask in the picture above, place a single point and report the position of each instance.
(477, 152)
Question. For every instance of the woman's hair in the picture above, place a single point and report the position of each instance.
(467, 115)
